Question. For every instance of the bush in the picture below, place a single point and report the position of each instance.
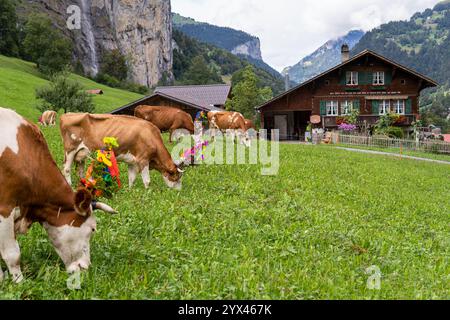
(134, 87)
(113, 82)
(46, 46)
(394, 132)
(66, 94)
(108, 80)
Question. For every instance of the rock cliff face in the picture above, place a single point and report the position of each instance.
(251, 49)
(140, 29)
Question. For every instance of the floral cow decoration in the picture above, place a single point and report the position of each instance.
(103, 176)
(197, 152)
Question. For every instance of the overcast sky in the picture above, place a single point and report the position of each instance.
(291, 29)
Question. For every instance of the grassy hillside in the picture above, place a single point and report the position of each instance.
(19, 80)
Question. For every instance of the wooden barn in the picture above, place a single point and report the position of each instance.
(368, 82)
(191, 99)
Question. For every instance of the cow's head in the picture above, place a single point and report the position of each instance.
(173, 179)
(244, 138)
(72, 240)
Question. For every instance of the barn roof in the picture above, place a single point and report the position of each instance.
(203, 97)
(428, 81)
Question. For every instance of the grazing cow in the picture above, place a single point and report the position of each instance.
(140, 145)
(234, 121)
(166, 118)
(34, 190)
(48, 118)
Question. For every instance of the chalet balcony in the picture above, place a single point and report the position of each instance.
(368, 120)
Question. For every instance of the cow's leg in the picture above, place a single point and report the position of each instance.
(80, 167)
(69, 158)
(133, 171)
(9, 248)
(146, 176)
(170, 135)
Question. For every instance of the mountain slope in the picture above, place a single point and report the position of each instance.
(20, 79)
(237, 42)
(422, 43)
(223, 62)
(324, 58)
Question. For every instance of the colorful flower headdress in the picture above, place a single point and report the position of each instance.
(103, 176)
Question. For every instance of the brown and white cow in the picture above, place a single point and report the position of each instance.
(48, 118)
(249, 125)
(140, 145)
(166, 118)
(32, 189)
(233, 122)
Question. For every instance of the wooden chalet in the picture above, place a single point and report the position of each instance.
(191, 99)
(368, 82)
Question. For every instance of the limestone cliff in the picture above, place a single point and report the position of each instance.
(140, 29)
(250, 48)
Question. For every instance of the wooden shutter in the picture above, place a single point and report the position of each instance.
(408, 106)
(375, 107)
(388, 78)
(357, 105)
(323, 108)
(362, 78)
(369, 78)
(343, 78)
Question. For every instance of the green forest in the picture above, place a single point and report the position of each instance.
(421, 43)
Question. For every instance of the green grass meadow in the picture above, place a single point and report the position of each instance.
(309, 232)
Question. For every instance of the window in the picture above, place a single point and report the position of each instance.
(352, 78)
(346, 107)
(385, 107)
(332, 108)
(399, 106)
(403, 81)
(327, 82)
(378, 78)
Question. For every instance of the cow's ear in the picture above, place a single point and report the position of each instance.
(83, 200)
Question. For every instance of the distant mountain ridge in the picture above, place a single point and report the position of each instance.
(421, 43)
(324, 58)
(237, 42)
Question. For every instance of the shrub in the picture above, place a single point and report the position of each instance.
(347, 127)
(64, 93)
(134, 87)
(394, 132)
(108, 80)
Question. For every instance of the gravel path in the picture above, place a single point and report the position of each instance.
(394, 155)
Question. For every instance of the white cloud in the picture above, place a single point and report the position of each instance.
(291, 29)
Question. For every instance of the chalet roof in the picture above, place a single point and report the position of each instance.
(429, 82)
(203, 97)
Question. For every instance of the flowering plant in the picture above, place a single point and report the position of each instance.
(347, 127)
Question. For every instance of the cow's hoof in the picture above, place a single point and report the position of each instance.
(18, 278)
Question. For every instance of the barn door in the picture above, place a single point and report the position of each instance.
(281, 123)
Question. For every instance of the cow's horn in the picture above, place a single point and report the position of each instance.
(105, 208)
(180, 171)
